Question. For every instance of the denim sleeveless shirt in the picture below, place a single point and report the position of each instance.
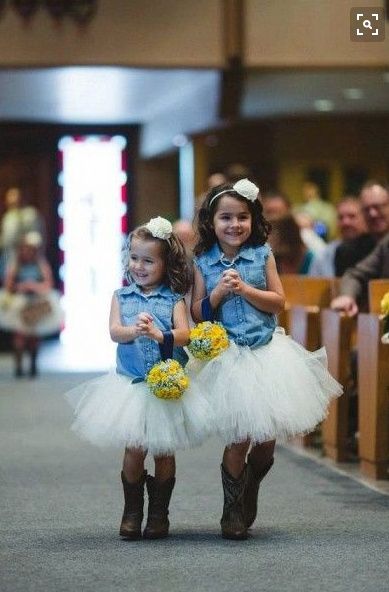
(136, 358)
(29, 272)
(245, 324)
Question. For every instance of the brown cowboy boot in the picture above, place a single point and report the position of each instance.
(131, 524)
(157, 526)
(232, 522)
(251, 492)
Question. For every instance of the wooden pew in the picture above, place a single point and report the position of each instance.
(373, 387)
(305, 296)
(306, 292)
(338, 333)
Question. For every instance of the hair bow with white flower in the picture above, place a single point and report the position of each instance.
(243, 187)
(247, 189)
(160, 228)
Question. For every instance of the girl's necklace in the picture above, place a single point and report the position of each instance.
(226, 262)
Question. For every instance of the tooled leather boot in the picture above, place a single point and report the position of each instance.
(160, 492)
(251, 492)
(232, 522)
(131, 525)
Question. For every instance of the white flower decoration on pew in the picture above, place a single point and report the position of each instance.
(160, 228)
(246, 189)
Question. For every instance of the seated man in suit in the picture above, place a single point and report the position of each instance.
(374, 199)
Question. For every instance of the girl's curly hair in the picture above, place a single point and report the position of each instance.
(206, 237)
(177, 271)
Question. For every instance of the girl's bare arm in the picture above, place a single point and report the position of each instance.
(199, 292)
(119, 333)
(272, 299)
(180, 323)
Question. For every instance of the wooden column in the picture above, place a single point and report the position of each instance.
(232, 76)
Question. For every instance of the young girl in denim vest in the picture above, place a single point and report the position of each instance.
(265, 385)
(148, 320)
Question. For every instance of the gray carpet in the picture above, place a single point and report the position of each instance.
(61, 504)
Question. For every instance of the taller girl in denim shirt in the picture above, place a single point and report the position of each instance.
(265, 385)
(148, 320)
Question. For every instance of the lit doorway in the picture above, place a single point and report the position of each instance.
(93, 226)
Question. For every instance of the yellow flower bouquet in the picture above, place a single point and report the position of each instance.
(208, 340)
(167, 380)
(385, 316)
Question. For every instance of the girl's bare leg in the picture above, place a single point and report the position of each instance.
(134, 464)
(234, 458)
(33, 346)
(165, 467)
(19, 345)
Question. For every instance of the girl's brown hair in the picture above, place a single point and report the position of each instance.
(260, 228)
(177, 273)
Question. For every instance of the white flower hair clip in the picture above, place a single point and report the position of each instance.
(246, 188)
(160, 228)
(243, 187)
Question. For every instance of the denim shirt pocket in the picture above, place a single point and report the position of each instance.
(255, 276)
(129, 309)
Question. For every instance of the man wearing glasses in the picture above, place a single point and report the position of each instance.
(353, 287)
(374, 201)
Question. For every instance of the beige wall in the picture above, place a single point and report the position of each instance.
(308, 33)
(162, 33)
(124, 32)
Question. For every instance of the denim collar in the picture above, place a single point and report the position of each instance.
(215, 254)
(160, 290)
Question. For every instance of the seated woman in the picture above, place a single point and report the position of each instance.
(291, 254)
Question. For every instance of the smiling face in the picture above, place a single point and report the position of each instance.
(350, 219)
(146, 264)
(232, 223)
(375, 208)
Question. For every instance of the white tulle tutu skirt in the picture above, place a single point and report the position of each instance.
(277, 390)
(110, 410)
(31, 315)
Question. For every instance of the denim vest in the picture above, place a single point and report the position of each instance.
(29, 272)
(245, 324)
(136, 358)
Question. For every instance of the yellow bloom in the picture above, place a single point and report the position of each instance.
(167, 380)
(385, 304)
(208, 340)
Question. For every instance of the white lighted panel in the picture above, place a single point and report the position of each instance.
(92, 211)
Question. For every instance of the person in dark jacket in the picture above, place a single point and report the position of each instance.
(375, 208)
(353, 286)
